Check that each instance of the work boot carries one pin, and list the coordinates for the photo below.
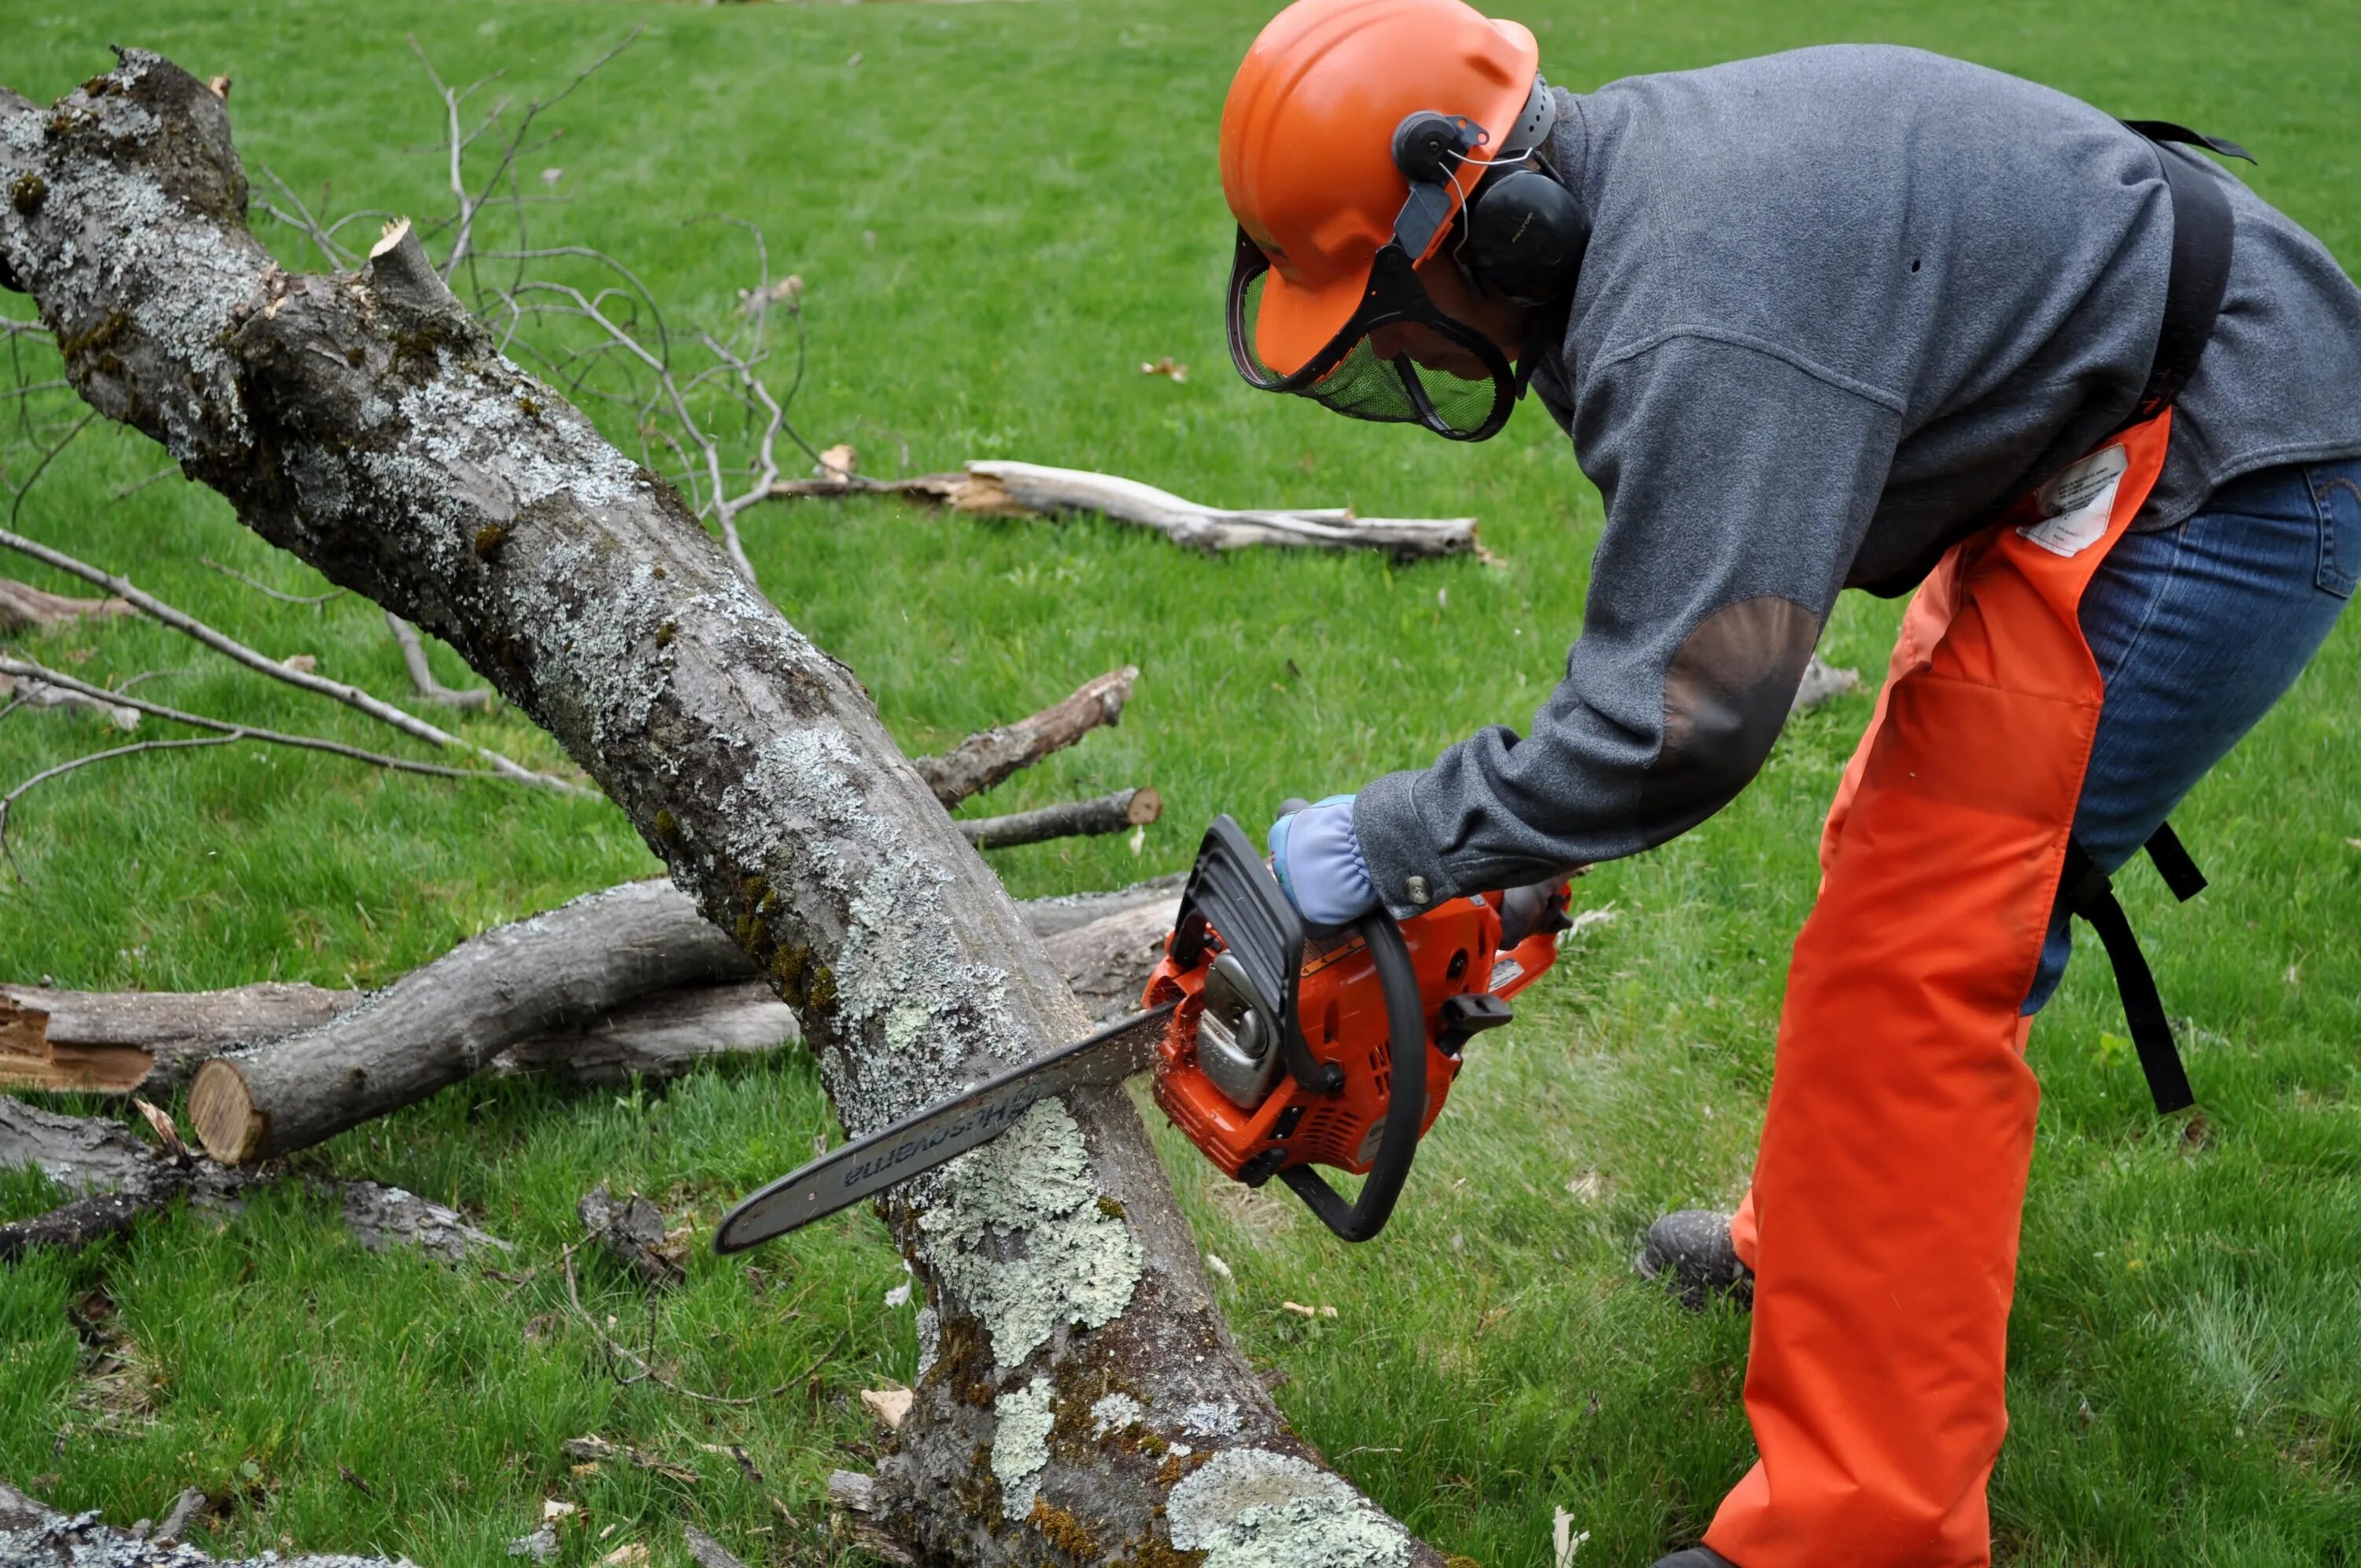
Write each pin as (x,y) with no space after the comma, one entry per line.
(1690,1254)
(1696,1556)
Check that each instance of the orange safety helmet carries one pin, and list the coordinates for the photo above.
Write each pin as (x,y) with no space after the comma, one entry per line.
(1361,138)
(1307,142)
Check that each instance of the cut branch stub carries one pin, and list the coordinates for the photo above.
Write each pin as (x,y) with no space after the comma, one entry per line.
(1072,819)
(368,424)
(988,756)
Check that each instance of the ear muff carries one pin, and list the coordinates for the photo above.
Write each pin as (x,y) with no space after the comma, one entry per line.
(1524,236)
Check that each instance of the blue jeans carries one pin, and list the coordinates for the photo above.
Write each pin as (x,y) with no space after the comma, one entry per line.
(2197,631)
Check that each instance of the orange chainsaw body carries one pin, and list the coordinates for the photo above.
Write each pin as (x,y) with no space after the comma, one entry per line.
(1341,1010)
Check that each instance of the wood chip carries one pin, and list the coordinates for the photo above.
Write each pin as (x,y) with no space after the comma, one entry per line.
(630,1554)
(888,1405)
(166,1132)
(1300,1310)
(837,464)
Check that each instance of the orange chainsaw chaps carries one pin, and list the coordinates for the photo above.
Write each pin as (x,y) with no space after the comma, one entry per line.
(1882,1225)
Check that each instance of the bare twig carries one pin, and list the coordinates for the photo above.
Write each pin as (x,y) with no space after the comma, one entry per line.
(266,589)
(225,732)
(351,697)
(125,492)
(9,800)
(422,677)
(644,1373)
(12,667)
(48,694)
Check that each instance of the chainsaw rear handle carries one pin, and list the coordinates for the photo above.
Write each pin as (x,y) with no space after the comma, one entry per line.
(1405,1107)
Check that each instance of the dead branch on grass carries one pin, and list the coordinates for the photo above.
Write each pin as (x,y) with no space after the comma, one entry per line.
(126,1042)
(24,607)
(1031,490)
(115,1181)
(988,756)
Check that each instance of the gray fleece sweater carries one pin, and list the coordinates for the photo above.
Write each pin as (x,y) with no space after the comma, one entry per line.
(1836,302)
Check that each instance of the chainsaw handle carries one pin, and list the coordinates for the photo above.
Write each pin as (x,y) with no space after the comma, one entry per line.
(1406,1101)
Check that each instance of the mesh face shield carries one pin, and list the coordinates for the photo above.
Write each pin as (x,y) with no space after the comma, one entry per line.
(1347,374)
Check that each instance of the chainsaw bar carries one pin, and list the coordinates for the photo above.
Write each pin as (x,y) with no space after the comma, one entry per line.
(868,1165)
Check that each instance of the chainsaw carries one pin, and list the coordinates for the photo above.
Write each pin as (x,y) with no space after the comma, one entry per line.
(1276,1048)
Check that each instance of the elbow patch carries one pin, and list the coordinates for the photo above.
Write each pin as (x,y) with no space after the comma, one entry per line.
(1727,692)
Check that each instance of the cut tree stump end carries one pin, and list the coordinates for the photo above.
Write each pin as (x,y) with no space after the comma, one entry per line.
(228,1124)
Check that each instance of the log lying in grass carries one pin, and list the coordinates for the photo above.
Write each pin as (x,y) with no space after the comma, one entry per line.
(23,607)
(149,1041)
(1069,819)
(1030,490)
(32,1533)
(447,1019)
(593,983)
(116,1179)
(988,756)
(368,425)
(115,1042)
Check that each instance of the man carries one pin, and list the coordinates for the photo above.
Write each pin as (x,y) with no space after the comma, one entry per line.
(1847,317)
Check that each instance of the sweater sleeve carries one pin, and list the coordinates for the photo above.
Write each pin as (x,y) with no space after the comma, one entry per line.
(1738,483)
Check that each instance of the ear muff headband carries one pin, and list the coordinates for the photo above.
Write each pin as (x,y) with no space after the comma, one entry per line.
(1522,231)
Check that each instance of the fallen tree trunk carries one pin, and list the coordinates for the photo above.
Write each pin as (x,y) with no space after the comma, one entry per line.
(988,756)
(1068,820)
(367,423)
(1032,489)
(123,1042)
(34,1535)
(449,1019)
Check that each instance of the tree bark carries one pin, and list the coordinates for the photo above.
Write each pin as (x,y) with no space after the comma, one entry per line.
(1068,820)
(988,756)
(368,424)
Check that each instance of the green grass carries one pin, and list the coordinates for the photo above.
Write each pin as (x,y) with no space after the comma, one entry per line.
(1002,209)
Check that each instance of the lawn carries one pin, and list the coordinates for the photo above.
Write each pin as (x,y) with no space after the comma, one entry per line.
(1001,210)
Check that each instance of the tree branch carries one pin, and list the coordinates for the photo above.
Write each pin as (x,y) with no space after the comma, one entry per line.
(988,756)
(351,697)
(422,677)
(1073,819)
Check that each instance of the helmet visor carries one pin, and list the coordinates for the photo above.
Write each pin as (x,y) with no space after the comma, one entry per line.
(1437,371)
